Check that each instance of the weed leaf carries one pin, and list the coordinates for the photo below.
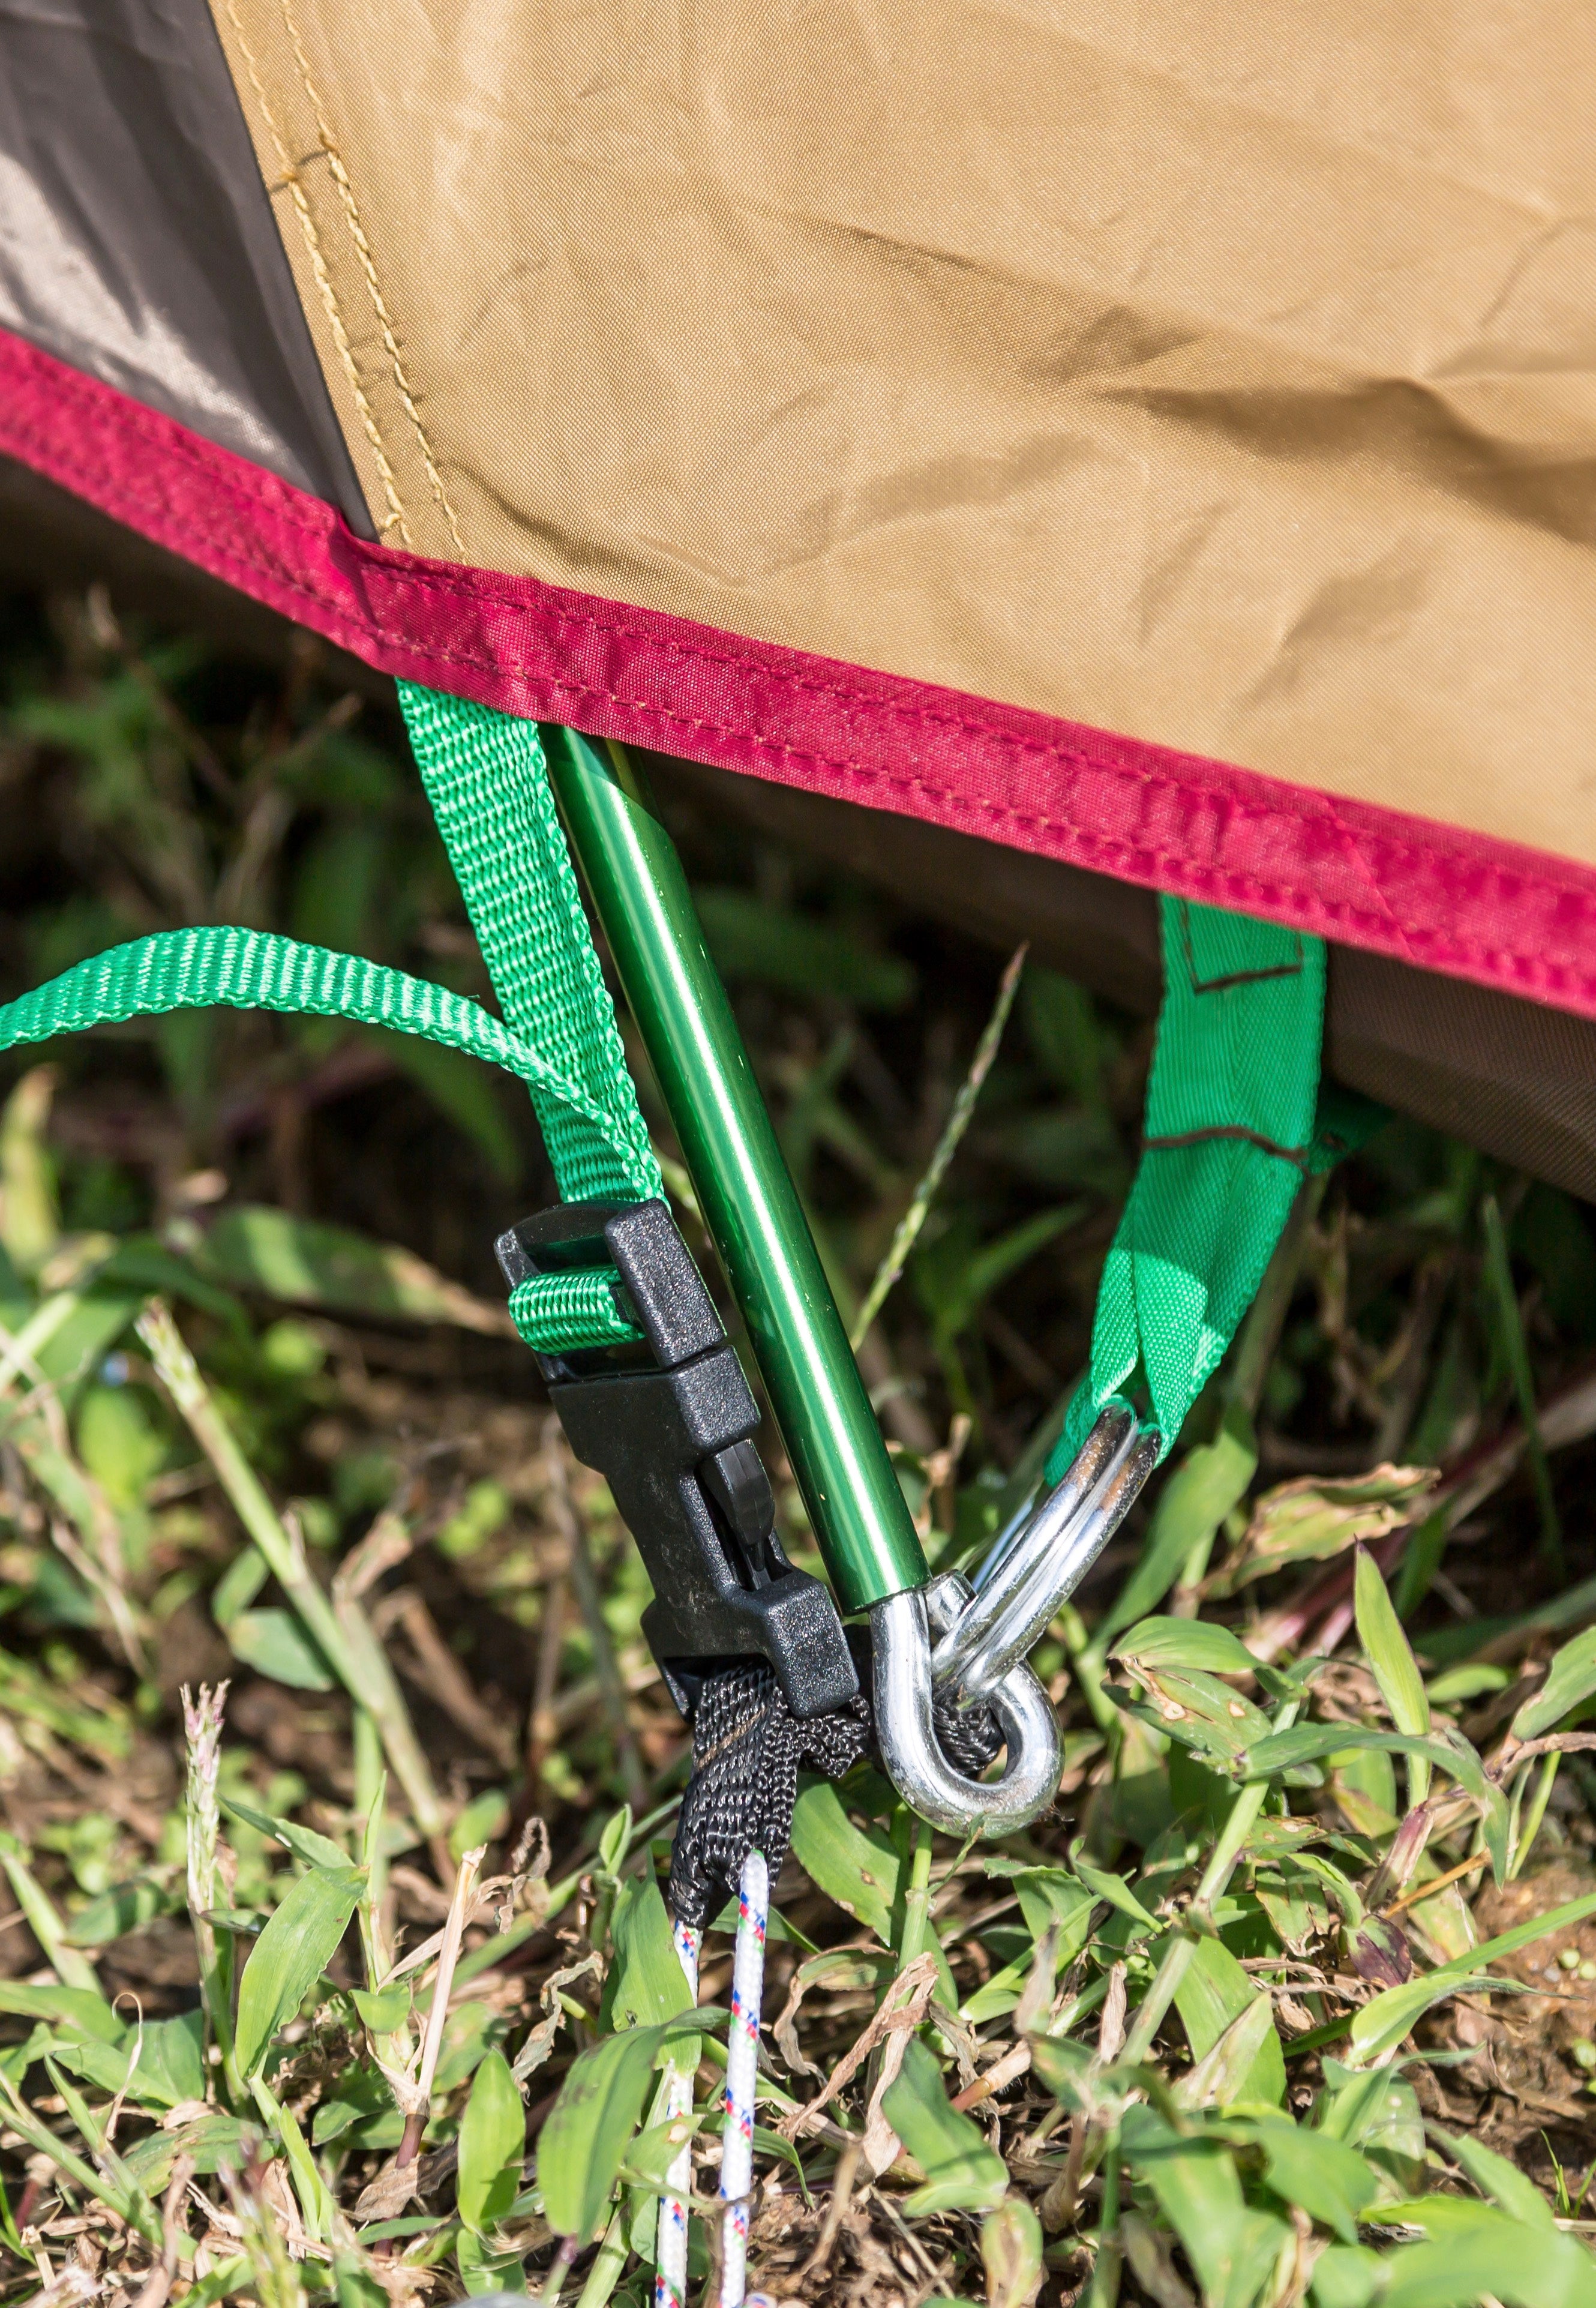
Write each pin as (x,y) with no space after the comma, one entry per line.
(1186,1643)
(304,1842)
(1484,2251)
(646,1984)
(1393,1665)
(308,1263)
(1194,2179)
(75,2009)
(1215,1998)
(1383,2023)
(1495,2177)
(492,2140)
(290,1955)
(1011,2254)
(1570,1679)
(274,1643)
(580,2149)
(962,2173)
(858,1870)
(1332,2182)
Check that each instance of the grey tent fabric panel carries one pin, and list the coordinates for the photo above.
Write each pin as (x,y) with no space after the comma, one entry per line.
(137,242)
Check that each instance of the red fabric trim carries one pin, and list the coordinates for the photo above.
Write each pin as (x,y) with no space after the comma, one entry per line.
(1435,895)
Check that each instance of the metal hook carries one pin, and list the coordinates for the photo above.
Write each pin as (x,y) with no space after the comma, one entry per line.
(901,1641)
(1029,1575)
(976,1638)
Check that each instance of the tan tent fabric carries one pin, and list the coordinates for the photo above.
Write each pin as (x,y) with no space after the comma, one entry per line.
(1220,375)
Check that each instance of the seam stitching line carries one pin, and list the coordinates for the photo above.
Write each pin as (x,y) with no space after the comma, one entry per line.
(368,265)
(1201,985)
(329,294)
(276,498)
(1236,1130)
(1226,879)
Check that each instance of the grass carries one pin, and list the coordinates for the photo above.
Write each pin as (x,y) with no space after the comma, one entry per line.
(337,1783)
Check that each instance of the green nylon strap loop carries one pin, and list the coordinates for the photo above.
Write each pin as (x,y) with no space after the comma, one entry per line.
(1232,1100)
(556,1313)
(485,776)
(254,969)
(251,969)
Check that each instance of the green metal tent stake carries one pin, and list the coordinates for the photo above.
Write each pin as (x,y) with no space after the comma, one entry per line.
(640,896)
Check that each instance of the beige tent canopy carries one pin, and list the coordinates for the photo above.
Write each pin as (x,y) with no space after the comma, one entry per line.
(1050,453)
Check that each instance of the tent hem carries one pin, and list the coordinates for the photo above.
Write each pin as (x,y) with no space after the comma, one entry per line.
(1469,905)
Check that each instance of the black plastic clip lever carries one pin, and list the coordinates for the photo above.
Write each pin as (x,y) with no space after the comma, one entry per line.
(670,1427)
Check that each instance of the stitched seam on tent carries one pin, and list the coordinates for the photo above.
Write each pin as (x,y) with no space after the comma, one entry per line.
(1323,812)
(328,295)
(368,265)
(1222,880)
(1320,809)
(1227,881)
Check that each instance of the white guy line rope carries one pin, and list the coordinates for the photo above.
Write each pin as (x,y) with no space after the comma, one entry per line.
(670,2255)
(737,2156)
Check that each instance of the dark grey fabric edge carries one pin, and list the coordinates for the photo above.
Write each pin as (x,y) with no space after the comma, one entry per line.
(137,241)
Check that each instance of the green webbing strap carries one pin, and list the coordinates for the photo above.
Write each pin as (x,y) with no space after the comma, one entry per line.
(250,969)
(1229,1139)
(484,775)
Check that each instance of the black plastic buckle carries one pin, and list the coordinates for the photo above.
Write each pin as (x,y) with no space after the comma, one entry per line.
(672,1438)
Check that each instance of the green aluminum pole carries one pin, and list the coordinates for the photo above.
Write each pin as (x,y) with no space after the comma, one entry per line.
(641,895)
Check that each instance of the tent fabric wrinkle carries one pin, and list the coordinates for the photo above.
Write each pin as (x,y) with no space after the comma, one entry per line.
(1219,377)
(1479,909)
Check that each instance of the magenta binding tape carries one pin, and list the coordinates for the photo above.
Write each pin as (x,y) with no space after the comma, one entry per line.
(1467,905)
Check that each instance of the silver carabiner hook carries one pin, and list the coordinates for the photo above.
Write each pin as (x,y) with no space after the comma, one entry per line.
(1030,1575)
(977,1639)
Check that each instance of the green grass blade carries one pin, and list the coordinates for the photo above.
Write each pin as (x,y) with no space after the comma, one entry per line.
(1393,1665)
(289,1957)
(492,2143)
